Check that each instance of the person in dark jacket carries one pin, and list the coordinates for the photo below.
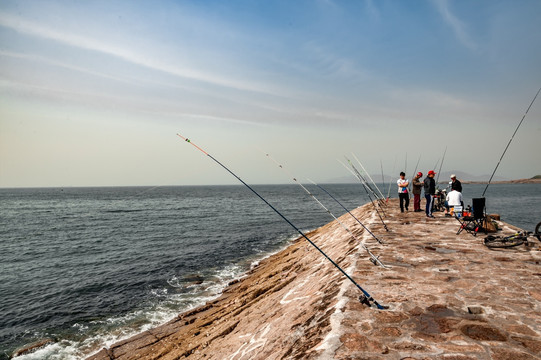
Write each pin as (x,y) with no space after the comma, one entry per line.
(430,191)
(417,189)
(456,184)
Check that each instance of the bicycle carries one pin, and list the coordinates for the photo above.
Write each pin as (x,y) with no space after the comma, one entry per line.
(507,241)
(439,200)
(537,232)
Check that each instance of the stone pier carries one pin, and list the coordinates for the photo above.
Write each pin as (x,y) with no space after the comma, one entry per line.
(449,297)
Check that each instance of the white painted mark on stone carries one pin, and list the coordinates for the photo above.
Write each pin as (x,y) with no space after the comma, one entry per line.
(294,290)
(254,343)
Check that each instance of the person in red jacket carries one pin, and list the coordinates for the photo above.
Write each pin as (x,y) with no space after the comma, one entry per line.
(416,189)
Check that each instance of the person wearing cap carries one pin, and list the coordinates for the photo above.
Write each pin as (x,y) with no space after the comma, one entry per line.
(417,186)
(430,190)
(456,184)
(403,194)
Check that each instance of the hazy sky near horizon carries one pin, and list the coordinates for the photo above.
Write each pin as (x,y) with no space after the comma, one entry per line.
(92,93)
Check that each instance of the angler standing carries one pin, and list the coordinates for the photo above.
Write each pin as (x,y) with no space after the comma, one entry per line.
(456,184)
(417,188)
(430,191)
(403,194)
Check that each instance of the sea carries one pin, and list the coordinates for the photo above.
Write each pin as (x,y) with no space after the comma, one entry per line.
(82,268)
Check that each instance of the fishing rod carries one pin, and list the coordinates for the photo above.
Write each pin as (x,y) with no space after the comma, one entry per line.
(374,259)
(509,143)
(370,177)
(363,181)
(436,165)
(382,176)
(367,185)
(414,173)
(441,164)
(406,164)
(390,182)
(406,170)
(360,178)
(349,212)
(366,298)
(417,165)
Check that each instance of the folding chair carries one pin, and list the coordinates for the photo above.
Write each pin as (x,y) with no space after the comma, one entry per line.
(474,223)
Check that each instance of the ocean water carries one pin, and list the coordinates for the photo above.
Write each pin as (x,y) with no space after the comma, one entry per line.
(86,267)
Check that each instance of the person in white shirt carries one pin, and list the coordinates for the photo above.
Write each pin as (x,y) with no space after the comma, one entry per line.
(454,198)
(403,191)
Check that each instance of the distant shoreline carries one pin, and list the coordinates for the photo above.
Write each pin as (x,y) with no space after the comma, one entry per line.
(62,188)
(518,181)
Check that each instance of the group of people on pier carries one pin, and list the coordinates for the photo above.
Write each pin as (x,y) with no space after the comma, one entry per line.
(454,198)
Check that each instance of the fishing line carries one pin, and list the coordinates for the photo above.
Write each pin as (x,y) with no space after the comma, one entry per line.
(390,182)
(414,173)
(365,182)
(359,177)
(382,176)
(406,164)
(370,177)
(439,170)
(509,143)
(366,298)
(349,212)
(367,185)
(436,165)
(417,165)
(374,259)
(366,188)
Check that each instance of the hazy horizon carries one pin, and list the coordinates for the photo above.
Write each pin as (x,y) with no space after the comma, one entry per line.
(342,180)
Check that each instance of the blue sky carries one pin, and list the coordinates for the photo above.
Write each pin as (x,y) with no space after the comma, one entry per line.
(93,92)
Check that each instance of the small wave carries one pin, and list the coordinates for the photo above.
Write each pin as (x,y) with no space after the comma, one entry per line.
(63,350)
(184,293)
(124,211)
(168,305)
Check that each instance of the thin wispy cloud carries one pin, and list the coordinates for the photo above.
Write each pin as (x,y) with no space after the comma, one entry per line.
(47,61)
(29,28)
(459,28)
(330,64)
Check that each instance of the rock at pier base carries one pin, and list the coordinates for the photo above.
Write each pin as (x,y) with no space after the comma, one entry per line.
(33,347)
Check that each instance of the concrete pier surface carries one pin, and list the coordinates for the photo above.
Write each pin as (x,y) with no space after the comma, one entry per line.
(449,297)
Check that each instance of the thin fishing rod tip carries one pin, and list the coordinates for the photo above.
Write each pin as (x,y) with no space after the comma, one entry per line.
(185,139)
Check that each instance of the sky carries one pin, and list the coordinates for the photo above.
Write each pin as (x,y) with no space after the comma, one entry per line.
(93,93)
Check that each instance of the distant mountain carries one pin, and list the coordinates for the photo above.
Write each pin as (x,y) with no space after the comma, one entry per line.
(462,176)
(444,177)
